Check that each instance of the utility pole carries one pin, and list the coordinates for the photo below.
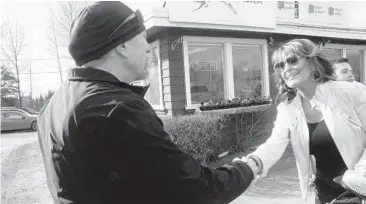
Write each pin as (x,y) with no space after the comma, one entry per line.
(30,83)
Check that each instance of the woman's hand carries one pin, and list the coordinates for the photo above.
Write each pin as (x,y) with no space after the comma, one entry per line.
(361,168)
(312,181)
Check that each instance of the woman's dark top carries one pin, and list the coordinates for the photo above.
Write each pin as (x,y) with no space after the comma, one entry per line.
(329,162)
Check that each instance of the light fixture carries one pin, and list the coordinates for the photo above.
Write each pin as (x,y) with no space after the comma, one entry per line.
(176,42)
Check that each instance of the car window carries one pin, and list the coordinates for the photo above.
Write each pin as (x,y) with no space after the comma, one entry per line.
(31,111)
(14,115)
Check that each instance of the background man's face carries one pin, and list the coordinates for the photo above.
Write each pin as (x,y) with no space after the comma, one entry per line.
(343,72)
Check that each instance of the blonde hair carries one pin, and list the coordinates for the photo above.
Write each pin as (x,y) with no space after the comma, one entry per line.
(305,48)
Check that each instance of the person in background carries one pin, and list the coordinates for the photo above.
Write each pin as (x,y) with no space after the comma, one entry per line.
(102,143)
(343,71)
(319,116)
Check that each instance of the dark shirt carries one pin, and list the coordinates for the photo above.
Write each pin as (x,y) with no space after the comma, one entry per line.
(329,162)
(103,143)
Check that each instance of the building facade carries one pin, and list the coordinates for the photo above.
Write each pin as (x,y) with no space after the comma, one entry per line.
(220,50)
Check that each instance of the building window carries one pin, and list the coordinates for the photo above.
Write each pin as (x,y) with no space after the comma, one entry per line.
(154,95)
(206,72)
(332,54)
(247,64)
(224,68)
(355,61)
(356,55)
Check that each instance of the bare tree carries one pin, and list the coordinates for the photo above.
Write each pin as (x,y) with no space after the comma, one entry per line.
(12,45)
(64,15)
(55,43)
(61,19)
(67,13)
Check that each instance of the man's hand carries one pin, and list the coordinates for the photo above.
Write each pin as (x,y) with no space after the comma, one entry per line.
(251,163)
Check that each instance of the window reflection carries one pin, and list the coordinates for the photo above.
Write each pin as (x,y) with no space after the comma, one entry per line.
(153,95)
(355,61)
(206,73)
(247,64)
(332,54)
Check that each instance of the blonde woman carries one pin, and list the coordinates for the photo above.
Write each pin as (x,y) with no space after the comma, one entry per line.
(321,117)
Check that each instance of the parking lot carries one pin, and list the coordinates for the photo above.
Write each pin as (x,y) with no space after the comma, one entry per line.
(12,140)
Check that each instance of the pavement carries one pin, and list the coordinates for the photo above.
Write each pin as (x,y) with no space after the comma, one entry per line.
(23,179)
(280,186)
(12,140)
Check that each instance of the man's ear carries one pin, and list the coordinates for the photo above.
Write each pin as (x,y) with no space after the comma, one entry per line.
(122,50)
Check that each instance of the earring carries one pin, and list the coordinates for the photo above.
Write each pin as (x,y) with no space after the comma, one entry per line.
(313,77)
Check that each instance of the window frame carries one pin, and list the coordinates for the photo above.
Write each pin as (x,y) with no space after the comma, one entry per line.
(228,70)
(344,48)
(159,107)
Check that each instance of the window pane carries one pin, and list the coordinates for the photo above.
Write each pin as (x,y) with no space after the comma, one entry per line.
(355,60)
(153,95)
(206,73)
(332,54)
(247,63)
(13,115)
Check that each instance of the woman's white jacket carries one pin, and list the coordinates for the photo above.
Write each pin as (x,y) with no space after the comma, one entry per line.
(343,105)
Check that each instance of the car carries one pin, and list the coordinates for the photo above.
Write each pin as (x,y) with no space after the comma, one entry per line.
(13,118)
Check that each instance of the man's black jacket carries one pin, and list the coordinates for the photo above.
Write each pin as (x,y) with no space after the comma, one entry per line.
(103,143)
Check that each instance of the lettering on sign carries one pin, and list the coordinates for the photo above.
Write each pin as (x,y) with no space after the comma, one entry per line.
(204,66)
(289,5)
(205,4)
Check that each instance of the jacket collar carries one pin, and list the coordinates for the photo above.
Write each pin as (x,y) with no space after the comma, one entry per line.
(98,75)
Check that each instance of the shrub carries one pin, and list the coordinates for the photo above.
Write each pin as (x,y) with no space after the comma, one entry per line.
(242,129)
(197,135)
(205,136)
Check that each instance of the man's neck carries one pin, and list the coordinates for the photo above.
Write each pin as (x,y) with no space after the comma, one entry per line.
(121,73)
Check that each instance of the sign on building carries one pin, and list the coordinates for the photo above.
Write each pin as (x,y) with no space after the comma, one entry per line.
(241,13)
(313,13)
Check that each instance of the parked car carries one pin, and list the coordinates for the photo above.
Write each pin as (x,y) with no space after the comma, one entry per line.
(14,118)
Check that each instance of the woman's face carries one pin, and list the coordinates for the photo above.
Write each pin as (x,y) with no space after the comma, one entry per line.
(294,70)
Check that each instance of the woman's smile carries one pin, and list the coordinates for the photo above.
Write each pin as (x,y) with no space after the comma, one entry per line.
(293,75)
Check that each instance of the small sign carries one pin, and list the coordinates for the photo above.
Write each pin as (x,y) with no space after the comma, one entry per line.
(314,13)
(204,66)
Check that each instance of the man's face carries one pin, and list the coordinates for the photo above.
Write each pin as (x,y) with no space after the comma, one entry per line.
(343,72)
(137,49)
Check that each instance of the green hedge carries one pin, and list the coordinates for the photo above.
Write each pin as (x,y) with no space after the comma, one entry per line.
(205,136)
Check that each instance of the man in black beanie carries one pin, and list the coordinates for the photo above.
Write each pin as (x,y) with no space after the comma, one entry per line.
(103,143)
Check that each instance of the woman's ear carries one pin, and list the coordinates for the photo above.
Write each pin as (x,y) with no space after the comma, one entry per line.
(122,50)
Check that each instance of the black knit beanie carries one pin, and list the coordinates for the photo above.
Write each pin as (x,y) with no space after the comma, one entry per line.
(100,27)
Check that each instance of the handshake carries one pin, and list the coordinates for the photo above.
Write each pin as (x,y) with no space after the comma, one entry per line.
(254,162)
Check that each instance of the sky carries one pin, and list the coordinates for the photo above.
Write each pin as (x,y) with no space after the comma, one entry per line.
(34,18)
